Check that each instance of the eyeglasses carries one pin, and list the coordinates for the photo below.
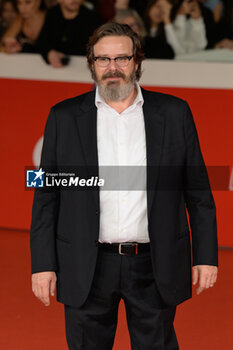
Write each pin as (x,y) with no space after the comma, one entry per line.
(121,61)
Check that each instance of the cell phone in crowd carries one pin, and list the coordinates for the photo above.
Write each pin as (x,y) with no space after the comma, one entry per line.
(65,60)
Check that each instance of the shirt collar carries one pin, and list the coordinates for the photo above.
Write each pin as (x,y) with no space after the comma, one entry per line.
(99,101)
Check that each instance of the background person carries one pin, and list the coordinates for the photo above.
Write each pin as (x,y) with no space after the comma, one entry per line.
(194,24)
(216,6)
(8,13)
(122,4)
(225,27)
(137,5)
(133,20)
(67,28)
(23,33)
(154,47)
(161,40)
(190,26)
(107,9)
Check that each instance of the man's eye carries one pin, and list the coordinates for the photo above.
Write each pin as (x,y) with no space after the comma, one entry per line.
(122,59)
(103,59)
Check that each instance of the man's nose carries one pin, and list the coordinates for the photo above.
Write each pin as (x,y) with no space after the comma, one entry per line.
(112,65)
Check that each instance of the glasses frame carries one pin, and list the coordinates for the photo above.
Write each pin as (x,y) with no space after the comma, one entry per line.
(112,59)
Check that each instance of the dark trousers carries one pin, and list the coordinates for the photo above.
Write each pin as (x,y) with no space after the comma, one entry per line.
(150,322)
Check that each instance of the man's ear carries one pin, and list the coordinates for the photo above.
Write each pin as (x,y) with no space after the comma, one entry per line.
(92,71)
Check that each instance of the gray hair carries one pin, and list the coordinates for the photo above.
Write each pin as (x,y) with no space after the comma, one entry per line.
(122,14)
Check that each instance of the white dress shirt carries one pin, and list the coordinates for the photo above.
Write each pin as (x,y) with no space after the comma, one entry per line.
(121,142)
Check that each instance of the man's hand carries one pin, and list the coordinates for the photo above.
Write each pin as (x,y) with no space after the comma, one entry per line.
(165,8)
(55,58)
(43,285)
(12,45)
(225,44)
(207,275)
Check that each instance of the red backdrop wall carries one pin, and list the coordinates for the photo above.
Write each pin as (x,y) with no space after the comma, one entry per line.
(24,110)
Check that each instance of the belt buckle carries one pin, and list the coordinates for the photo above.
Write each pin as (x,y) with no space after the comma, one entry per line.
(129,243)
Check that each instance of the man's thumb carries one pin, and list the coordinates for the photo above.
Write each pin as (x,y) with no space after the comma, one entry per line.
(52,287)
(195,275)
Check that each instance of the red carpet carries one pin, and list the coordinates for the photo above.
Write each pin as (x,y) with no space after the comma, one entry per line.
(203,323)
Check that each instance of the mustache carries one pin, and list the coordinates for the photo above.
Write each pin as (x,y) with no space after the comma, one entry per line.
(113,75)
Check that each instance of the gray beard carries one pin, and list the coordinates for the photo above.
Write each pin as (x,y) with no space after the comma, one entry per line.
(114,92)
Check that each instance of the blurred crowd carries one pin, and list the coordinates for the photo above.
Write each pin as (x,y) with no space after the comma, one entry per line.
(59,28)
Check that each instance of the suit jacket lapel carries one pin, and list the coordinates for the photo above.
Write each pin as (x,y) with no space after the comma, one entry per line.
(154,128)
(87,126)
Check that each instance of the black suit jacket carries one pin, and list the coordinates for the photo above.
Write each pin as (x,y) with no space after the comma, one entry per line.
(65,224)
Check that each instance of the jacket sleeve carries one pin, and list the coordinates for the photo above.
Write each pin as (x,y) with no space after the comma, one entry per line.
(199,199)
(45,207)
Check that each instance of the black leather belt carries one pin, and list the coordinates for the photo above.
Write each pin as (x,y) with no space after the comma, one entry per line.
(126,248)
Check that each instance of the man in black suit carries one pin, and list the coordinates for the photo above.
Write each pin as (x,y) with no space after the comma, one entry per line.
(103,246)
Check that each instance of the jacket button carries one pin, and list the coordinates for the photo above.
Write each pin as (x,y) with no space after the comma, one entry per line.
(96,242)
(174,290)
(96,213)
